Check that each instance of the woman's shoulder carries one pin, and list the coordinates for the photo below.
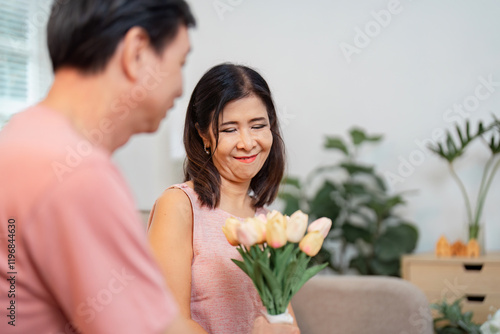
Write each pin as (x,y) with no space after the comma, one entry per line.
(175,195)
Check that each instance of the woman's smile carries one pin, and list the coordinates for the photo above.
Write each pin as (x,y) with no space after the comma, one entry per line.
(247,159)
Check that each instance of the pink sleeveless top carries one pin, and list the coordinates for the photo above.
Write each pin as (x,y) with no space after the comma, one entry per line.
(223,298)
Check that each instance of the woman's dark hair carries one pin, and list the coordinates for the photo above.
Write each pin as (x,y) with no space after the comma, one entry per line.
(85,33)
(219,86)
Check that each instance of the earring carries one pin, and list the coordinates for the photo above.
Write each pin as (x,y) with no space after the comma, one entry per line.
(206,149)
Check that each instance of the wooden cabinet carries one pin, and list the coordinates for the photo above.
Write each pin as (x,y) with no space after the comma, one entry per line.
(477,279)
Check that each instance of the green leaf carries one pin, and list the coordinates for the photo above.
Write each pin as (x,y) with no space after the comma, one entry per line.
(355,188)
(291,181)
(323,204)
(248,261)
(274,287)
(359,263)
(336,143)
(323,256)
(242,266)
(293,274)
(352,233)
(358,136)
(292,203)
(395,241)
(354,168)
(282,256)
(386,268)
(308,274)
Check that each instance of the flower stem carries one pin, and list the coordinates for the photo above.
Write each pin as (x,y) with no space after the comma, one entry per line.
(464,192)
(482,194)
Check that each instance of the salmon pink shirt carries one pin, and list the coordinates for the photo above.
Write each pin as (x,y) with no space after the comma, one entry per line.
(79,256)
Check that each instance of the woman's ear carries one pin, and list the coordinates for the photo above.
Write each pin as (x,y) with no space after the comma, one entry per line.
(206,141)
(136,52)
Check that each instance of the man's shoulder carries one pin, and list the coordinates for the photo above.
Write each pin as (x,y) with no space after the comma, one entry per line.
(39,152)
(40,143)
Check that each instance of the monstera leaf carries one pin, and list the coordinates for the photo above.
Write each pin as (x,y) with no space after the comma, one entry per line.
(395,241)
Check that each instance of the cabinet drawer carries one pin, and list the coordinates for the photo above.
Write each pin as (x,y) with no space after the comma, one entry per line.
(455,277)
(480,305)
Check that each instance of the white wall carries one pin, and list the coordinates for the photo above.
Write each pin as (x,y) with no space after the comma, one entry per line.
(426,59)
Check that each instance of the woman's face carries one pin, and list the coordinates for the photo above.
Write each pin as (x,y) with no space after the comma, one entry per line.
(245,139)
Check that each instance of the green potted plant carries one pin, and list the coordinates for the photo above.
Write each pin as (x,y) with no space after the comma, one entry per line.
(451,320)
(453,148)
(367,234)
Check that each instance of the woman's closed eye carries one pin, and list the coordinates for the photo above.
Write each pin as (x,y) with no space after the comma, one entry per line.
(259,126)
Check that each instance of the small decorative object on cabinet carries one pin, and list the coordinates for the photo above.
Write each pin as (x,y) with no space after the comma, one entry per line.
(458,248)
(475,279)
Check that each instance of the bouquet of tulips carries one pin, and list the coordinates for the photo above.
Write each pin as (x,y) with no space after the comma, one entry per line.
(276,251)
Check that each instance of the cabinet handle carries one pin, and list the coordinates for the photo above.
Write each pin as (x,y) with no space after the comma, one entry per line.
(473,267)
(475,298)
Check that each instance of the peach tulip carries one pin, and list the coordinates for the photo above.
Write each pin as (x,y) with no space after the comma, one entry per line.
(247,234)
(229,230)
(275,233)
(260,227)
(296,226)
(262,217)
(311,243)
(276,216)
(321,225)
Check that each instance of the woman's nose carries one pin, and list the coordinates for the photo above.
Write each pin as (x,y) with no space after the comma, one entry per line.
(246,141)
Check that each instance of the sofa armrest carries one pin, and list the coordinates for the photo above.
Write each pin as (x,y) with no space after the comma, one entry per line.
(361,304)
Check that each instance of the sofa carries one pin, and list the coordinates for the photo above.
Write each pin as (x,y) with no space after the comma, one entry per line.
(361,304)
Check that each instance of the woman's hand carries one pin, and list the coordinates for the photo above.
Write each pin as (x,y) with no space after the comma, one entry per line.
(262,326)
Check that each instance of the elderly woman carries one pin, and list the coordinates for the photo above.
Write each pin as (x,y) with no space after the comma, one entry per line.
(235,162)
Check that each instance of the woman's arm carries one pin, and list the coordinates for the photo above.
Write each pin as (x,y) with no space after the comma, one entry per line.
(171,238)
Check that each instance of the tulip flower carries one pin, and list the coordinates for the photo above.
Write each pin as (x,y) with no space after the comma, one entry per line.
(260,227)
(229,230)
(247,234)
(296,226)
(275,234)
(276,216)
(311,243)
(262,217)
(321,225)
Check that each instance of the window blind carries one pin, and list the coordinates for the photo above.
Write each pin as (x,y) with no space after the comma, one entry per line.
(14,50)
(25,71)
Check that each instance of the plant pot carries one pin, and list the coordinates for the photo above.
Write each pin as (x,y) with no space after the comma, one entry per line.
(283,318)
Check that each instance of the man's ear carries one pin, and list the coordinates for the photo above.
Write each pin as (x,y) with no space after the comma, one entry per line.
(136,46)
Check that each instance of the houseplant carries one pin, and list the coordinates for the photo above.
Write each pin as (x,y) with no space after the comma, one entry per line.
(450,320)
(367,234)
(454,147)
